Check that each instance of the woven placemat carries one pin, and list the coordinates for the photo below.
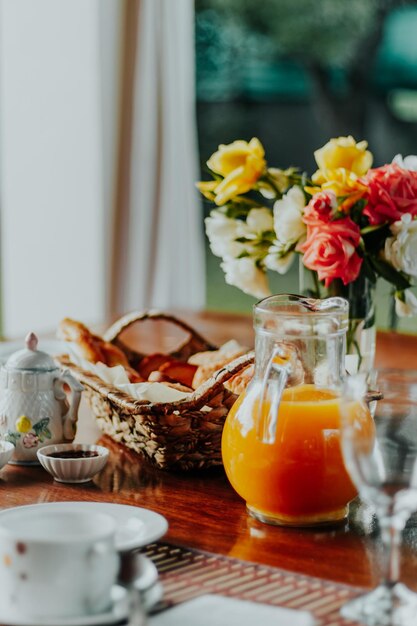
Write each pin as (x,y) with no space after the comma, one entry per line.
(186,574)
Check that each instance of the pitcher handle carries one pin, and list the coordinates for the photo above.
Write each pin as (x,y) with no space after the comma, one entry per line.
(70,418)
(279,369)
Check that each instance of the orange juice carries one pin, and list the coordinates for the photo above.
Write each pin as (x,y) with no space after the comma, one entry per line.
(300,479)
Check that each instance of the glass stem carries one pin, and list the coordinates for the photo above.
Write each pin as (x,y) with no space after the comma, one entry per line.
(391,529)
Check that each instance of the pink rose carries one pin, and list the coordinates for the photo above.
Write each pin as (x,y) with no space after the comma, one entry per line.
(320,208)
(330,250)
(30,440)
(392,191)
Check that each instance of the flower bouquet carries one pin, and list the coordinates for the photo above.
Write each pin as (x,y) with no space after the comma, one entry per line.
(349,223)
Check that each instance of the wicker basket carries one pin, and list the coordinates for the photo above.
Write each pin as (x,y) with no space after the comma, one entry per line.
(174,435)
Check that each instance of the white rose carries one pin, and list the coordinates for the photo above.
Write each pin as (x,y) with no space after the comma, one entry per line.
(407,163)
(222,233)
(288,216)
(401,249)
(408,306)
(260,220)
(277,260)
(244,274)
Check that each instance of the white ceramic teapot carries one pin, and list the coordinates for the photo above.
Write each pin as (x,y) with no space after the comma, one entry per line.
(34,411)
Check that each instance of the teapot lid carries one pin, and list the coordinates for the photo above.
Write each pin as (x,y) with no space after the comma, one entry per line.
(30,358)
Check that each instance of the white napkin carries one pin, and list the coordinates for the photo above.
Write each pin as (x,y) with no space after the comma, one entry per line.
(214,610)
(112,375)
(151,392)
(154,392)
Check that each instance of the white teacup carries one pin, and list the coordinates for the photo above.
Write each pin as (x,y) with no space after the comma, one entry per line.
(56,563)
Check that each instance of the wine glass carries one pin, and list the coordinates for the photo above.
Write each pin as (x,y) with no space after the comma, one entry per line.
(381,460)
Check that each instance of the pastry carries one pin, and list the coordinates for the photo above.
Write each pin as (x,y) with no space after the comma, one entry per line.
(179,371)
(210,361)
(94,348)
(152,363)
(238,383)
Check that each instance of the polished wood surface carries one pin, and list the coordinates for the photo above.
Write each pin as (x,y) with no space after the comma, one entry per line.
(203,510)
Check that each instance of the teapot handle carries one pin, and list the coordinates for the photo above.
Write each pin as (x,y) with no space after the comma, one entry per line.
(70,418)
(278,371)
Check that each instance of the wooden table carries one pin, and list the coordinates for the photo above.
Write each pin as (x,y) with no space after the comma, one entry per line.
(203,510)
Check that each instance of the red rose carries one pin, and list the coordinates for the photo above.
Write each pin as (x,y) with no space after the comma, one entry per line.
(320,208)
(330,250)
(392,191)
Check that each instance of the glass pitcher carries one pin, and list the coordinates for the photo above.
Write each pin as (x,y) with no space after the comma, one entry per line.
(280,443)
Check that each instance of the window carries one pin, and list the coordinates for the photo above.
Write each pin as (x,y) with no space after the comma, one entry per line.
(295,74)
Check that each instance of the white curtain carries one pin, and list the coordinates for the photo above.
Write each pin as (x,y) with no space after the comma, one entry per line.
(51,171)
(158,245)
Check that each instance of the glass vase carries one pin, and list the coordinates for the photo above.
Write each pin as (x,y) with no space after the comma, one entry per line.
(361,335)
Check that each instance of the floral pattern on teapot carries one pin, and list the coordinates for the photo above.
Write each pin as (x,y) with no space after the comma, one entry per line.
(31,435)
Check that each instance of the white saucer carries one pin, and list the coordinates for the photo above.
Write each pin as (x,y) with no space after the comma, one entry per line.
(117,613)
(136,527)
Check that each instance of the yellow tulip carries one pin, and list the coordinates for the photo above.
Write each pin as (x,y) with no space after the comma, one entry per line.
(241,164)
(345,185)
(344,153)
(341,163)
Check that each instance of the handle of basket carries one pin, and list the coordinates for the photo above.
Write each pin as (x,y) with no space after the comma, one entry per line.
(204,393)
(140,316)
(235,366)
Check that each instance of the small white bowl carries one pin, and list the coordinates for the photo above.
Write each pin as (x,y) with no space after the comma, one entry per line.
(6,452)
(72,470)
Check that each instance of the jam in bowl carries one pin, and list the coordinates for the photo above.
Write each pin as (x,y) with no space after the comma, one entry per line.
(73,462)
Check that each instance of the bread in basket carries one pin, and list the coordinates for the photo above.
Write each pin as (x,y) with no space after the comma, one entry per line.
(185,434)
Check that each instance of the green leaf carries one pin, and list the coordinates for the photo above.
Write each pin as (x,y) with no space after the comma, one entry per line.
(12,437)
(45,434)
(368,270)
(384,269)
(371,229)
(41,427)
(374,238)
(237,211)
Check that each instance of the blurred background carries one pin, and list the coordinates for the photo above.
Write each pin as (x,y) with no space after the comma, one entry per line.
(110,108)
